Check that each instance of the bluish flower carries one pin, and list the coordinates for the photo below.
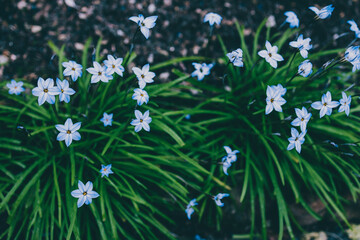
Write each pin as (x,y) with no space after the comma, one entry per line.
(345,104)
(145,24)
(45,91)
(72,69)
(105,170)
(236,57)
(201,70)
(296,140)
(305,68)
(352,53)
(85,193)
(114,66)
(354,27)
(62,88)
(279,88)
(68,132)
(98,73)
(192,203)
(218,198)
(231,155)
(141,96)
(273,100)
(189,210)
(15,87)
(292,19)
(107,119)
(226,166)
(271,55)
(302,119)
(144,75)
(187,117)
(141,121)
(213,18)
(302,44)
(323,13)
(326,105)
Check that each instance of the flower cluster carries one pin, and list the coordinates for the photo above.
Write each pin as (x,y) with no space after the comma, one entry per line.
(46,91)
(105,72)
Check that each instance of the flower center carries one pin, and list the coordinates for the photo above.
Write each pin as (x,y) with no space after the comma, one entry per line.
(272,100)
(84,193)
(15,87)
(270,55)
(141,120)
(73,69)
(143,95)
(62,90)
(296,138)
(302,119)
(142,24)
(142,75)
(46,90)
(68,131)
(99,73)
(104,169)
(113,66)
(325,104)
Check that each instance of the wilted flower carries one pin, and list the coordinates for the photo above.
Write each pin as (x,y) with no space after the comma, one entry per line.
(326,105)
(15,87)
(145,24)
(68,132)
(302,44)
(322,13)
(354,27)
(305,68)
(345,104)
(105,170)
(273,100)
(201,70)
(141,121)
(63,89)
(189,210)
(296,140)
(302,119)
(98,73)
(270,54)
(292,19)
(114,66)
(144,75)
(236,57)
(45,91)
(85,194)
(107,119)
(141,96)
(212,18)
(72,69)
(218,198)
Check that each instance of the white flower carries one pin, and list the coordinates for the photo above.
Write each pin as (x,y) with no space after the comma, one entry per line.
(218,198)
(189,210)
(279,88)
(326,105)
(231,155)
(68,132)
(354,27)
(141,96)
(236,57)
(45,91)
(302,44)
(270,22)
(305,68)
(145,24)
(296,140)
(270,54)
(85,194)
(72,69)
(352,53)
(107,119)
(292,19)
(212,18)
(356,64)
(62,88)
(141,121)
(201,70)
(15,87)
(273,100)
(226,165)
(345,104)
(105,170)
(302,119)
(98,73)
(144,75)
(322,13)
(114,65)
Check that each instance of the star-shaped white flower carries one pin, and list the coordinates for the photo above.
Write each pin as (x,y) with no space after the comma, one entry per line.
(323,13)
(68,132)
(201,70)
(98,73)
(114,66)
(305,68)
(326,105)
(292,19)
(45,91)
(354,27)
(105,170)
(141,121)
(141,96)
(145,24)
(302,119)
(15,87)
(213,18)
(279,88)
(345,104)
(63,90)
(85,193)
(107,119)
(302,44)
(144,75)
(218,198)
(352,53)
(72,69)
(271,55)
(231,155)
(273,100)
(236,57)
(296,140)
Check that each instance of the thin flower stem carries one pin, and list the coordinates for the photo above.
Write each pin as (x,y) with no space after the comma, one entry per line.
(131,47)
(55,113)
(292,59)
(289,81)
